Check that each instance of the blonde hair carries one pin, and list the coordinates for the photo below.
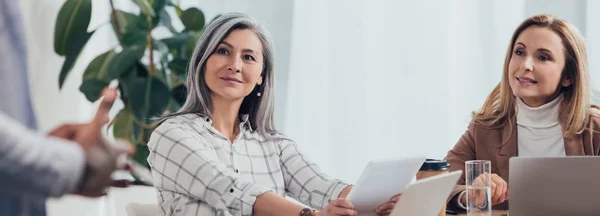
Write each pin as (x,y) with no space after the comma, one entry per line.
(499,108)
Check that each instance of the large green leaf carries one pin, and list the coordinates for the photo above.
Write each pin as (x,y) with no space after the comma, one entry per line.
(123,61)
(123,125)
(92,88)
(162,73)
(190,46)
(141,70)
(165,20)
(134,36)
(173,106)
(179,66)
(72,22)
(125,81)
(143,22)
(148,97)
(136,133)
(193,19)
(159,5)
(145,7)
(73,49)
(140,134)
(161,47)
(176,42)
(97,68)
(179,94)
(125,20)
(141,154)
(65,69)
(178,10)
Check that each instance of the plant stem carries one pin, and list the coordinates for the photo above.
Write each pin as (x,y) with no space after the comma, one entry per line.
(114,16)
(150,48)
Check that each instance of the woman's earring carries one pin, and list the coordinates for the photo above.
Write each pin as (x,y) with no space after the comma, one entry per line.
(258,90)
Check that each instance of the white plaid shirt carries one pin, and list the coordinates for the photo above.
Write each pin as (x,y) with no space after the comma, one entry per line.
(198,171)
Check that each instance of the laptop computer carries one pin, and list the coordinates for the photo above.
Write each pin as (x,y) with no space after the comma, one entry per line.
(554,186)
(427,196)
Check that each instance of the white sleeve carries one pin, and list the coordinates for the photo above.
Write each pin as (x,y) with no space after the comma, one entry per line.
(32,164)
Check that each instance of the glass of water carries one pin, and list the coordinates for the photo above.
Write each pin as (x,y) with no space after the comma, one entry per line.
(479,187)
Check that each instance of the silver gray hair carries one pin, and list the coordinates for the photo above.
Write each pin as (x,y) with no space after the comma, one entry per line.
(259,108)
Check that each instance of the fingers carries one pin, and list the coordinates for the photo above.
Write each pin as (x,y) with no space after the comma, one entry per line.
(496,193)
(341,206)
(595,112)
(109,95)
(498,187)
(343,211)
(120,183)
(501,189)
(124,146)
(385,208)
(66,131)
(343,203)
(481,180)
(396,198)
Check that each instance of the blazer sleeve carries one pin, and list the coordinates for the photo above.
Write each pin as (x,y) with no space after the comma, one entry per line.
(32,164)
(593,133)
(464,150)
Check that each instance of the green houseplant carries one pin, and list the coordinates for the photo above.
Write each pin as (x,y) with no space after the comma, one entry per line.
(150,71)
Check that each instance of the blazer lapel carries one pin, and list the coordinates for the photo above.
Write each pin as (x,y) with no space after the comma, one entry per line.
(509,140)
(508,149)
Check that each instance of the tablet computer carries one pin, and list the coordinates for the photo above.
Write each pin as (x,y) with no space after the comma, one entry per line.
(381,180)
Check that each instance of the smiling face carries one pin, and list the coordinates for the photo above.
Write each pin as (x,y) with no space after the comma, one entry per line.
(536,66)
(236,66)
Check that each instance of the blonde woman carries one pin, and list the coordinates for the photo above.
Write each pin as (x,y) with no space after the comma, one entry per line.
(541,107)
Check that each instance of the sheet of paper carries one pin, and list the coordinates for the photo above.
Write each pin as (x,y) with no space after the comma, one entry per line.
(381,180)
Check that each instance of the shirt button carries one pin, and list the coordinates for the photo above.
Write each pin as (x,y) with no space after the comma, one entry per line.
(231,190)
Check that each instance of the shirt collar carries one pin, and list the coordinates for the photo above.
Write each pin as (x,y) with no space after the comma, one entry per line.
(244,122)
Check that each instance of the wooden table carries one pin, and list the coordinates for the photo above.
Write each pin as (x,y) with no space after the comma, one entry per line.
(494,213)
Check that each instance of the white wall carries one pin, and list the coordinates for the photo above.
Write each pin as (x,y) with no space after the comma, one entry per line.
(574,10)
(379,79)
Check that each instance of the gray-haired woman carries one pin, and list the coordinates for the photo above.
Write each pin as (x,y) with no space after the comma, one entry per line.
(220,153)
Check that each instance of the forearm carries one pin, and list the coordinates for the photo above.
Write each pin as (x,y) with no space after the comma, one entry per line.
(35,165)
(271,204)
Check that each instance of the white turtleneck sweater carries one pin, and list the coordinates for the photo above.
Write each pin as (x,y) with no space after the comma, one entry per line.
(539,132)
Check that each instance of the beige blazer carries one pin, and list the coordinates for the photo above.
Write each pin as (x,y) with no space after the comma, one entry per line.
(499,145)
